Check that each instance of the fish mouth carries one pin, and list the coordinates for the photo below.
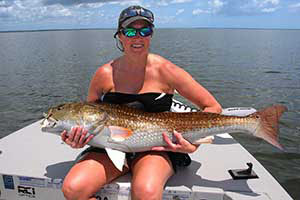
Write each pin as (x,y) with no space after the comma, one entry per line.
(48,121)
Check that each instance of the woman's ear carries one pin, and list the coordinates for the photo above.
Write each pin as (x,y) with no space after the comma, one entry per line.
(119,42)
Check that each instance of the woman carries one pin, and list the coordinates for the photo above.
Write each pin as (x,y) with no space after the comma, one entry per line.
(146,81)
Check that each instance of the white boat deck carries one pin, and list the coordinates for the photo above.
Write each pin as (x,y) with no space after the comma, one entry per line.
(33,165)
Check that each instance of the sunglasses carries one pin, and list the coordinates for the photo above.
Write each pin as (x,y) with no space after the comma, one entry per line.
(132,32)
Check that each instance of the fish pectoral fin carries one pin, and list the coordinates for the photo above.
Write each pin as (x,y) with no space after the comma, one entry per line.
(119,134)
(206,140)
(98,129)
(117,158)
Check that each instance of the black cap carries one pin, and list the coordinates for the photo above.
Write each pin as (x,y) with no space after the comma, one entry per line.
(134,13)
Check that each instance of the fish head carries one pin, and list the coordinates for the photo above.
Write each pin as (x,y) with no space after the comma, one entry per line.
(65,116)
(57,118)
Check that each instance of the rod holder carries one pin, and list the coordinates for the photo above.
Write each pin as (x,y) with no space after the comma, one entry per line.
(243,173)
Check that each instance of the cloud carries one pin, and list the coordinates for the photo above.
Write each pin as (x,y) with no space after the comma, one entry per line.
(5,12)
(77,2)
(34,12)
(178,12)
(168,2)
(162,3)
(128,2)
(72,2)
(268,10)
(200,11)
(243,7)
(295,6)
(216,5)
(266,3)
(90,5)
(181,1)
(56,11)
(104,13)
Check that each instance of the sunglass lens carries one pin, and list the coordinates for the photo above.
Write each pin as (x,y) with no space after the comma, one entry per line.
(129,32)
(144,32)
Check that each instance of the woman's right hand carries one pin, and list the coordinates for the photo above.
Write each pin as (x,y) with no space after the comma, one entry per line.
(76,138)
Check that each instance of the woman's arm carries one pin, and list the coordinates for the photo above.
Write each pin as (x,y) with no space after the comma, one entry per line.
(189,88)
(186,86)
(77,138)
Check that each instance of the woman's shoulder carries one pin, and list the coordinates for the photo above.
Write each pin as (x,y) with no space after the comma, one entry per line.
(157,58)
(105,69)
(161,62)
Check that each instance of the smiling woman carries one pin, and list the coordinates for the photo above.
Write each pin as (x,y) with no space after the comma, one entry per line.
(146,81)
(132,23)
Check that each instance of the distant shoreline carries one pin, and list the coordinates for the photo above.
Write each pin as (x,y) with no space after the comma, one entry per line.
(82,29)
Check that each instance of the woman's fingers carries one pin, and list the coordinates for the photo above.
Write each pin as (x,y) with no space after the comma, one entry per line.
(170,145)
(64,135)
(77,137)
(88,140)
(71,135)
(181,145)
(82,137)
(169,142)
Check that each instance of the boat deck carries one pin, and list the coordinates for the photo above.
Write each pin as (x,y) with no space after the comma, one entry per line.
(33,165)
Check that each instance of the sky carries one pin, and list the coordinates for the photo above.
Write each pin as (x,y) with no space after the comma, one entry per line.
(81,14)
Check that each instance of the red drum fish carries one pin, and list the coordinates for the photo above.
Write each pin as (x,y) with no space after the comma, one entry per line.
(125,129)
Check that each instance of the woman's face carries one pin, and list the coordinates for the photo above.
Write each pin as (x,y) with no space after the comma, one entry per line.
(136,44)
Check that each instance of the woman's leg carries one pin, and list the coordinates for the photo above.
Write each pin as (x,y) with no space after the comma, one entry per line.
(87,176)
(150,172)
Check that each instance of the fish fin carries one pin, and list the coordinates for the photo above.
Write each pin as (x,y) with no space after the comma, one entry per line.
(269,124)
(119,134)
(206,140)
(98,129)
(117,158)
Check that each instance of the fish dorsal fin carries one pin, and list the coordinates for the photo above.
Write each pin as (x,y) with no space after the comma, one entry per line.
(119,134)
(117,158)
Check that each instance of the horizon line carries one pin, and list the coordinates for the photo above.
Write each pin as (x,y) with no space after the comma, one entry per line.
(74,29)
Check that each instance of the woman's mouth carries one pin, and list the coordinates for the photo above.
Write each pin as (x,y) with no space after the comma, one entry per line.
(137,45)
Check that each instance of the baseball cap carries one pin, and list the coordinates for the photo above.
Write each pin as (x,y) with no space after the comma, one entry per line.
(133,13)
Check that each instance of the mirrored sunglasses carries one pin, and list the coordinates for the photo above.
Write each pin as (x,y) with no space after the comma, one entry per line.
(132,32)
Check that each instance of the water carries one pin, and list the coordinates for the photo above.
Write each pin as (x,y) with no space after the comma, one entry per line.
(240,67)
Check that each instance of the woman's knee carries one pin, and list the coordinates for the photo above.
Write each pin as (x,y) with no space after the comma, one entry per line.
(71,190)
(146,191)
(74,190)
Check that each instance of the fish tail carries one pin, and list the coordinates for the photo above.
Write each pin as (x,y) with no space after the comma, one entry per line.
(269,124)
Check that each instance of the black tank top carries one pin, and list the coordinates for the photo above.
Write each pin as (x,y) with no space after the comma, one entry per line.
(149,102)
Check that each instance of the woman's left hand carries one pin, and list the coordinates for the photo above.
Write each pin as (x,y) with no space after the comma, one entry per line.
(181,145)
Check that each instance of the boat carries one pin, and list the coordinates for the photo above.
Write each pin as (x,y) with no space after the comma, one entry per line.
(33,165)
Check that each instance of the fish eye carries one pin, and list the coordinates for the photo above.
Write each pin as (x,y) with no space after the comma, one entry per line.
(60,107)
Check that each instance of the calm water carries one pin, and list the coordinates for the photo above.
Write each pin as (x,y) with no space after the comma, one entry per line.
(240,67)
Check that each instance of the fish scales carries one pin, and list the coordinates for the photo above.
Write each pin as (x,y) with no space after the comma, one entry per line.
(134,130)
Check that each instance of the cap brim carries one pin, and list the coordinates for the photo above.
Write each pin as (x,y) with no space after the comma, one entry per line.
(133,19)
